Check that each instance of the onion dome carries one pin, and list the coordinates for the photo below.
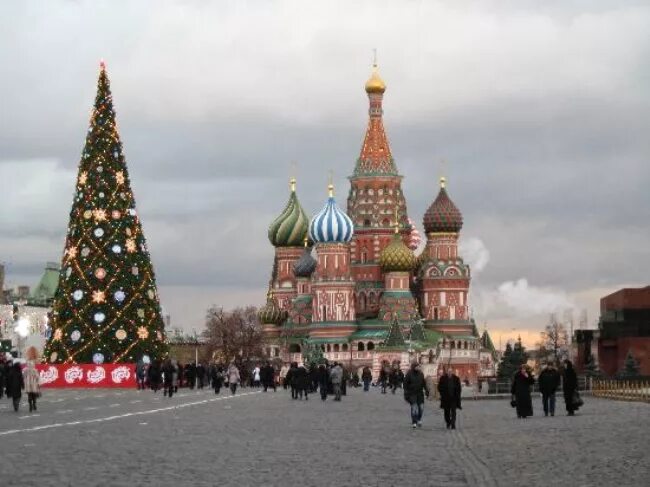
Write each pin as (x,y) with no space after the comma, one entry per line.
(270,313)
(306,264)
(331,224)
(442,215)
(290,228)
(375,84)
(414,237)
(397,257)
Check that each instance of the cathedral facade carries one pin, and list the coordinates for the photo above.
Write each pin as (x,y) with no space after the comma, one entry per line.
(350,284)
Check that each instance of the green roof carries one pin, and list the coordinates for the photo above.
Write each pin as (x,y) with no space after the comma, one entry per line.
(46,288)
(462,337)
(363,334)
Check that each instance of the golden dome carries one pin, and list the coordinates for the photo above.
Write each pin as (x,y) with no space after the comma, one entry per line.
(375,84)
(397,257)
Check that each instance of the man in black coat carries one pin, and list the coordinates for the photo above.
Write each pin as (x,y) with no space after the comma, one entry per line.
(415,388)
(449,388)
(267,375)
(522,384)
(570,386)
(549,381)
(15,384)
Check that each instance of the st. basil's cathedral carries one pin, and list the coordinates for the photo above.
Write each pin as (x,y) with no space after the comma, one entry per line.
(365,297)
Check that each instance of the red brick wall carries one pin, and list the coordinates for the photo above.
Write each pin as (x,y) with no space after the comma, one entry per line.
(612,353)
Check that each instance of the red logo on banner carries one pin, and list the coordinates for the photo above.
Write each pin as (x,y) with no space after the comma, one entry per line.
(87,375)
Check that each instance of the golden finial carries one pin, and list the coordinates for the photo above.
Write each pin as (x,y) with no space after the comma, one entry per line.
(443,182)
(330,186)
(375,84)
(306,242)
(292,184)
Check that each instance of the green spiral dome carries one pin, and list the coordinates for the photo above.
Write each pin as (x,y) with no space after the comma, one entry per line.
(290,228)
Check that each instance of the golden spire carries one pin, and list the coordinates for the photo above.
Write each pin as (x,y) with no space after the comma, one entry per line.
(292,184)
(330,186)
(306,242)
(443,182)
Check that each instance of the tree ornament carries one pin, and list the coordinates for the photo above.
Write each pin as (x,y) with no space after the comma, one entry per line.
(116,215)
(78,295)
(119,177)
(100,273)
(100,169)
(58,334)
(88,214)
(99,297)
(99,317)
(120,334)
(134,270)
(85,252)
(98,232)
(140,313)
(75,335)
(116,249)
(100,215)
(119,296)
(72,252)
(83,177)
(143,333)
(98,358)
(130,245)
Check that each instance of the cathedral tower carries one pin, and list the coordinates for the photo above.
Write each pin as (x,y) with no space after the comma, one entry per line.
(444,277)
(286,234)
(332,286)
(375,196)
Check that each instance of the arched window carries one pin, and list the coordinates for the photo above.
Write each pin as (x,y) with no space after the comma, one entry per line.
(329,347)
(435,313)
(364,256)
(371,346)
(366,223)
(361,347)
(465,345)
(345,347)
(452,344)
(294,348)
(336,347)
(362,302)
(324,311)
(322,347)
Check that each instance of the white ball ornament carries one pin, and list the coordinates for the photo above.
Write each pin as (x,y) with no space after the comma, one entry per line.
(78,295)
(99,317)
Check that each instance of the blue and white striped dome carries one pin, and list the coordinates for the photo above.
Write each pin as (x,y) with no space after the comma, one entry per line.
(331,224)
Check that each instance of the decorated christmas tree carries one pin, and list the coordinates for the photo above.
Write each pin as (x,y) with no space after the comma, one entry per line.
(395,337)
(106,307)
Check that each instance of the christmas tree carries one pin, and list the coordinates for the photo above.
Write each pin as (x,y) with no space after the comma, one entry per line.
(395,337)
(106,307)
(591,368)
(630,366)
(512,359)
(417,331)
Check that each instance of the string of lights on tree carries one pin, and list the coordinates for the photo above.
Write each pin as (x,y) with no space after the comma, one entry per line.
(106,307)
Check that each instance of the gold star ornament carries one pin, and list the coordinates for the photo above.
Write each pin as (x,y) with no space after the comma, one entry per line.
(99,297)
(130,245)
(83,177)
(143,333)
(100,215)
(119,177)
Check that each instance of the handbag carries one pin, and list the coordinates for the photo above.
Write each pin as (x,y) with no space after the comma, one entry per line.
(513,402)
(576,400)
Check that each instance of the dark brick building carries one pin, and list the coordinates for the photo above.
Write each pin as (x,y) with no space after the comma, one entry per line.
(624,326)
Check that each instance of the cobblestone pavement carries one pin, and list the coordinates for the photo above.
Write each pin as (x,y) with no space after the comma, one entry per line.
(120,438)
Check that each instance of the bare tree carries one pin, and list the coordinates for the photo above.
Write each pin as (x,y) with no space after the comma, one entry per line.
(555,340)
(235,334)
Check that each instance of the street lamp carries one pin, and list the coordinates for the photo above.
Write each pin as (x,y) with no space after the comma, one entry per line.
(22,330)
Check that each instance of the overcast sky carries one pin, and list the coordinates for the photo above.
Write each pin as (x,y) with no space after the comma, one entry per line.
(542,110)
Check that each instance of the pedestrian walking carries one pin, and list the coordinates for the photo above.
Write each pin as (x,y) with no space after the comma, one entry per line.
(522,383)
(449,389)
(234,378)
(366,377)
(549,381)
(15,384)
(383,377)
(257,376)
(168,378)
(336,376)
(32,381)
(290,380)
(267,375)
(301,379)
(140,374)
(217,378)
(572,399)
(322,376)
(200,375)
(155,375)
(415,388)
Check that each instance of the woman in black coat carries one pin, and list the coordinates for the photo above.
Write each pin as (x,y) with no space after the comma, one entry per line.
(570,386)
(15,384)
(521,385)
